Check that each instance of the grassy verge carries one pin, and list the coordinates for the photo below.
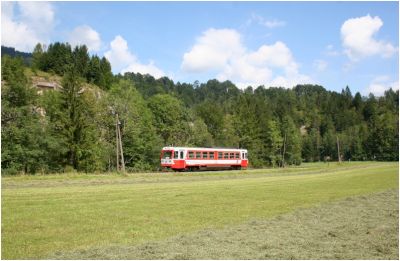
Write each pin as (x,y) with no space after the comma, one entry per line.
(360,227)
(45,214)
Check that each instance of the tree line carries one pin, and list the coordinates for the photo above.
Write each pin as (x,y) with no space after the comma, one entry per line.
(74,129)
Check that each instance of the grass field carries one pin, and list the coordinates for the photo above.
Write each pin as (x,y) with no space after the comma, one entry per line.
(124,217)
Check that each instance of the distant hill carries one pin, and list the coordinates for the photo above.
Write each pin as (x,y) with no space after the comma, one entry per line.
(14,53)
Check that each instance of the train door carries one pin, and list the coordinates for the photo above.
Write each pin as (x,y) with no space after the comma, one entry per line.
(179,159)
(244,159)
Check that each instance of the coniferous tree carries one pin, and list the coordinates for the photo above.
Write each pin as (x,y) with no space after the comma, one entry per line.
(37,57)
(291,151)
(105,68)
(76,122)
(81,60)
(273,142)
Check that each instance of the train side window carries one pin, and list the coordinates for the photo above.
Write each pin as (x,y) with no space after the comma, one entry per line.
(176,155)
(232,155)
(198,155)
(191,155)
(237,156)
(212,155)
(205,155)
(219,155)
(226,155)
(181,156)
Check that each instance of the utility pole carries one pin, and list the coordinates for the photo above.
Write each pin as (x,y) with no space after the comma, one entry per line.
(120,144)
(318,154)
(284,151)
(338,149)
(117,142)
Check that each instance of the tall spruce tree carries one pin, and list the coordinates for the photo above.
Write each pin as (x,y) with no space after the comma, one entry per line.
(77,122)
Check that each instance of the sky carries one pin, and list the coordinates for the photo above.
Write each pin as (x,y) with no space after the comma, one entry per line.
(334,44)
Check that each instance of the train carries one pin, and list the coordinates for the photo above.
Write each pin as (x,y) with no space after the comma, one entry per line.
(193,159)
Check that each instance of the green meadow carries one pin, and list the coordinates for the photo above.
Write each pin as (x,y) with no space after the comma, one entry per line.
(106,216)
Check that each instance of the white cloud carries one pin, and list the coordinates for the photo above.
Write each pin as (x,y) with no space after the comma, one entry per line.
(264,22)
(275,55)
(39,16)
(320,65)
(380,84)
(119,54)
(222,52)
(33,23)
(122,60)
(85,35)
(212,51)
(358,38)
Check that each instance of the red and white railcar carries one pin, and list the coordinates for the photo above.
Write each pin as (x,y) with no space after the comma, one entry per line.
(185,158)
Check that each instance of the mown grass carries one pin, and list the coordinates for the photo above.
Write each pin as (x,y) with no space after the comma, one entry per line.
(42,215)
(359,227)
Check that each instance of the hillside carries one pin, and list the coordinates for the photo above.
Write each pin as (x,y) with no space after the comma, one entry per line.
(278,126)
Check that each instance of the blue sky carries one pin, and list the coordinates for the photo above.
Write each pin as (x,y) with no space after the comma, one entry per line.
(250,43)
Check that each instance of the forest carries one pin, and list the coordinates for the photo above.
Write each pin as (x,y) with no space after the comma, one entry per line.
(74,129)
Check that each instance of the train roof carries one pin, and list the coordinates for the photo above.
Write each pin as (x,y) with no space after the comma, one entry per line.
(202,149)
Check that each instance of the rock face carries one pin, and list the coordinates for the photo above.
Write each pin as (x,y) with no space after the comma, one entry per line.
(43,84)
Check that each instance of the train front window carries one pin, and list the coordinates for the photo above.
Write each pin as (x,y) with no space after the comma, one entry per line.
(167,154)
(176,154)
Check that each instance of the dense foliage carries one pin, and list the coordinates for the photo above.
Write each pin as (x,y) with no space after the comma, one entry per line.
(75,128)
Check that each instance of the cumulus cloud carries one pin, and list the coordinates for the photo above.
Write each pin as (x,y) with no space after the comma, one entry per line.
(122,60)
(380,84)
(221,51)
(86,35)
(24,24)
(358,38)
(213,50)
